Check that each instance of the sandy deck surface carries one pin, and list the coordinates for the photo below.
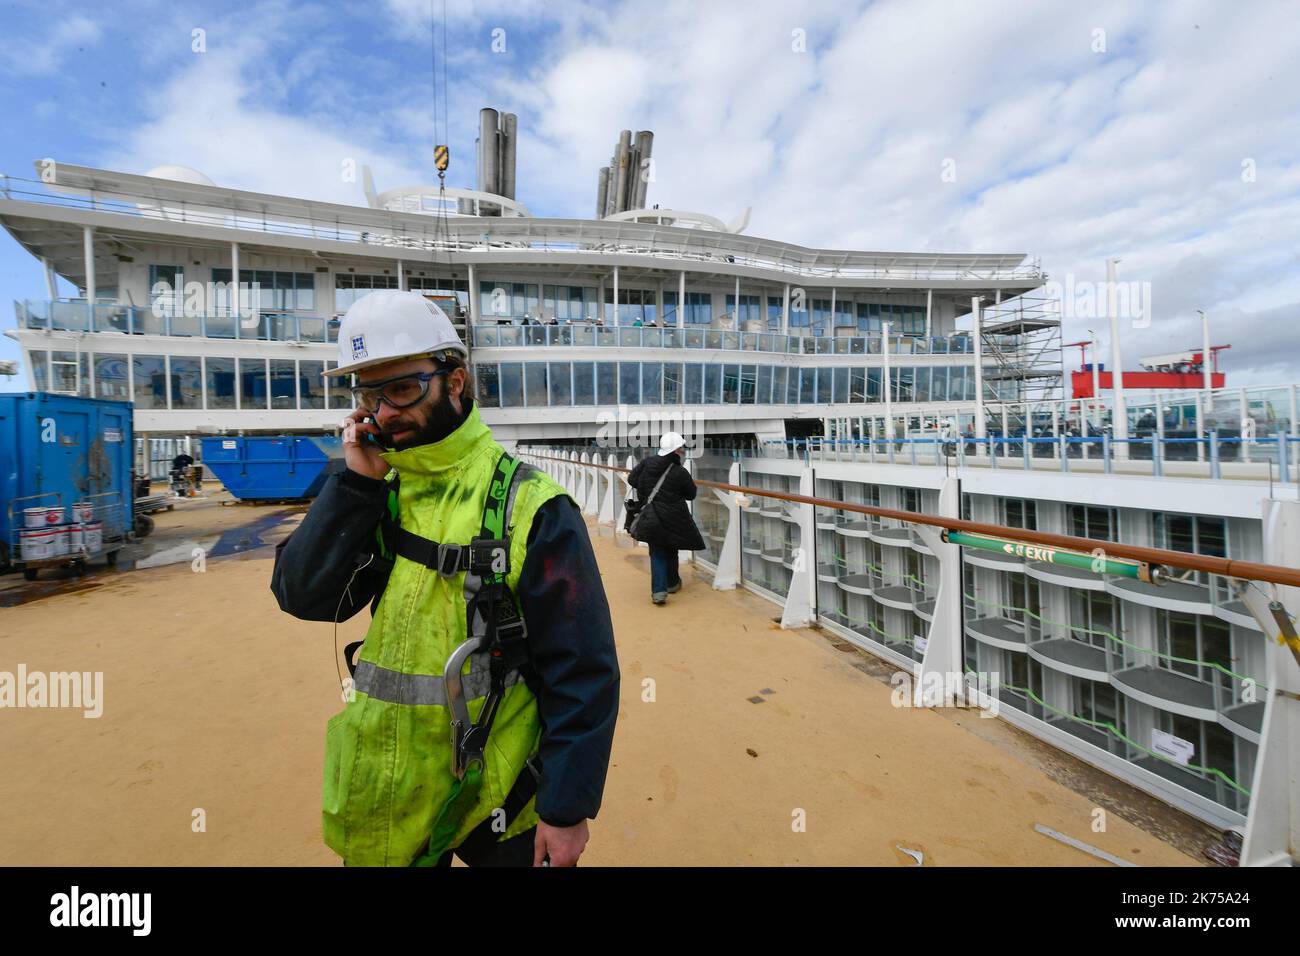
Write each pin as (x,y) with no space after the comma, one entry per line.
(214,700)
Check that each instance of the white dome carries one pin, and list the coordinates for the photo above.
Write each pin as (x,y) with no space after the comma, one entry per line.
(180,174)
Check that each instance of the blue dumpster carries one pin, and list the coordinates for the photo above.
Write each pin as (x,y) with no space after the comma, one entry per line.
(71,457)
(278,467)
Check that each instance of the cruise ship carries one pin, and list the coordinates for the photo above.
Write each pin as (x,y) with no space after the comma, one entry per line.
(926,382)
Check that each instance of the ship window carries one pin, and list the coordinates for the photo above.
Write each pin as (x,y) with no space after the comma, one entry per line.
(699,308)
(252,383)
(922,385)
(730,384)
(166,289)
(607,383)
(311,387)
(629,383)
(512,385)
(763,395)
(939,384)
(1020,513)
(283,384)
(111,377)
(778,384)
(186,382)
(561,383)
(792,389)
(150,376)
(670,308)
(1091,522)
(489,391)
(807,385)
(841,390)
(824,382)
(584,391)
(651,383)
(712,383)
(672,383)
(535,384)
(220,375)
(337,394)
(694,384)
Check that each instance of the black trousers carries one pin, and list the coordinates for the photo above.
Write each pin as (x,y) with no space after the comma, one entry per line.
(517,851)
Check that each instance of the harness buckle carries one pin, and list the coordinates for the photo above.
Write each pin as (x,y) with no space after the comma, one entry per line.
(448,559)
(489,556)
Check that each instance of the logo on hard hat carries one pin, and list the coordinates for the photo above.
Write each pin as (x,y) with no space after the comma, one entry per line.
(359,347)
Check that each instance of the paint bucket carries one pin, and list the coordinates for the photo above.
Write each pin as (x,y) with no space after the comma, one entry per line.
(58,540)
(53,516)
(93,536)
(83,511)
(34,544)
(76,535)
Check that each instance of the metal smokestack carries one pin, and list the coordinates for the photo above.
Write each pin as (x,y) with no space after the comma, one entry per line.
(509,136)
(489,150)
(623,152)
(602,192)
(644,144)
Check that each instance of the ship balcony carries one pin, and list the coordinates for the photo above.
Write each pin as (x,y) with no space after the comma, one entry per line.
(925,609)
(1072,657)
(268,325)
(998,632)
(1167,690)
(1171,596)
(857,529)
(1079,578)
(893,537)
(856,583)
(1245,720)
(1227,607)
(899,596)
(994,560)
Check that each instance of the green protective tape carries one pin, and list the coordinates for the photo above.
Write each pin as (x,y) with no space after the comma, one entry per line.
(1118,640)
(1037,552)
(1111,728)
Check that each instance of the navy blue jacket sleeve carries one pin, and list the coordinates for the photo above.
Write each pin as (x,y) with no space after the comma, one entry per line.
(316,574)
(571,641)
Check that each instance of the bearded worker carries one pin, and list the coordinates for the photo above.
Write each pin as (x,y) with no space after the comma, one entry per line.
(481,710)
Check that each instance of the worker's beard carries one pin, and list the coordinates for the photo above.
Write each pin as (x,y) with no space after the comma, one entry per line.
(442,421)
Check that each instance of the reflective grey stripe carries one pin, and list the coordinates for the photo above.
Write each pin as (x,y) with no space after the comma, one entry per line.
(395,687)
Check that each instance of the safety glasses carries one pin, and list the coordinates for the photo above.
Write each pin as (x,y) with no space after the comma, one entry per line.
(402,391)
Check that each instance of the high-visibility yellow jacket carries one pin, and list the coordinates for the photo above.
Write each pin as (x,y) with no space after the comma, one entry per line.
(388,754)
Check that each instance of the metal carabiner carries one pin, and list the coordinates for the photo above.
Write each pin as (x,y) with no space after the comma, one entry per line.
(461,726)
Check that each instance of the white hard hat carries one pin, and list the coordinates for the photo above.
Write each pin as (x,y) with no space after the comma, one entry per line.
(391,325)
(670,443)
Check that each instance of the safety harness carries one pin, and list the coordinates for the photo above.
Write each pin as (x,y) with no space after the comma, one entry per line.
(493,625)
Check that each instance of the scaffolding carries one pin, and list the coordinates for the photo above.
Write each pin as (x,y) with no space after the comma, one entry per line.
(1021,341)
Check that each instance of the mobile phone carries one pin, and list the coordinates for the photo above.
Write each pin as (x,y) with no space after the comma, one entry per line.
(370,438)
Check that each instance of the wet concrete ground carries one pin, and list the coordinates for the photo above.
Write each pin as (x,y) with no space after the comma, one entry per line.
(215,526)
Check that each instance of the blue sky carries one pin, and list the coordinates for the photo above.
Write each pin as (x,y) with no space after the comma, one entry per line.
(1076,132)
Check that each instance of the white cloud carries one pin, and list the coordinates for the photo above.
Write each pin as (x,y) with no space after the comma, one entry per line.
(44,56)
(1060,151)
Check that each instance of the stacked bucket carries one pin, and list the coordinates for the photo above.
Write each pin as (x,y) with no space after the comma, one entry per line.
(48,534)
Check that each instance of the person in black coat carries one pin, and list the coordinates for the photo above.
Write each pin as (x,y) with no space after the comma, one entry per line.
(665,523)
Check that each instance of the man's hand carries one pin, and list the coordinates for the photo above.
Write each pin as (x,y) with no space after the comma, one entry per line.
(362,456)
(562,844)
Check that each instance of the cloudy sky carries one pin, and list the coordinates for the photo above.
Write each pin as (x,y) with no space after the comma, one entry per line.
(1162,134)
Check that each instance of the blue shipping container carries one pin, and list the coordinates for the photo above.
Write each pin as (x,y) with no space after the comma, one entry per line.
(60,445)
(273,467)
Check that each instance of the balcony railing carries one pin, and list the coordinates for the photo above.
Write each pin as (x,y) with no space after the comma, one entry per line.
(1277,454)
(511,334)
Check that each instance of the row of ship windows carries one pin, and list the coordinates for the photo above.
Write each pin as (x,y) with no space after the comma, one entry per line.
(536,384)
(158,382)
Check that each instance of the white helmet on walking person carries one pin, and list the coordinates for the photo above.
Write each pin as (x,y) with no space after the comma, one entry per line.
(670,442)
(391,325)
